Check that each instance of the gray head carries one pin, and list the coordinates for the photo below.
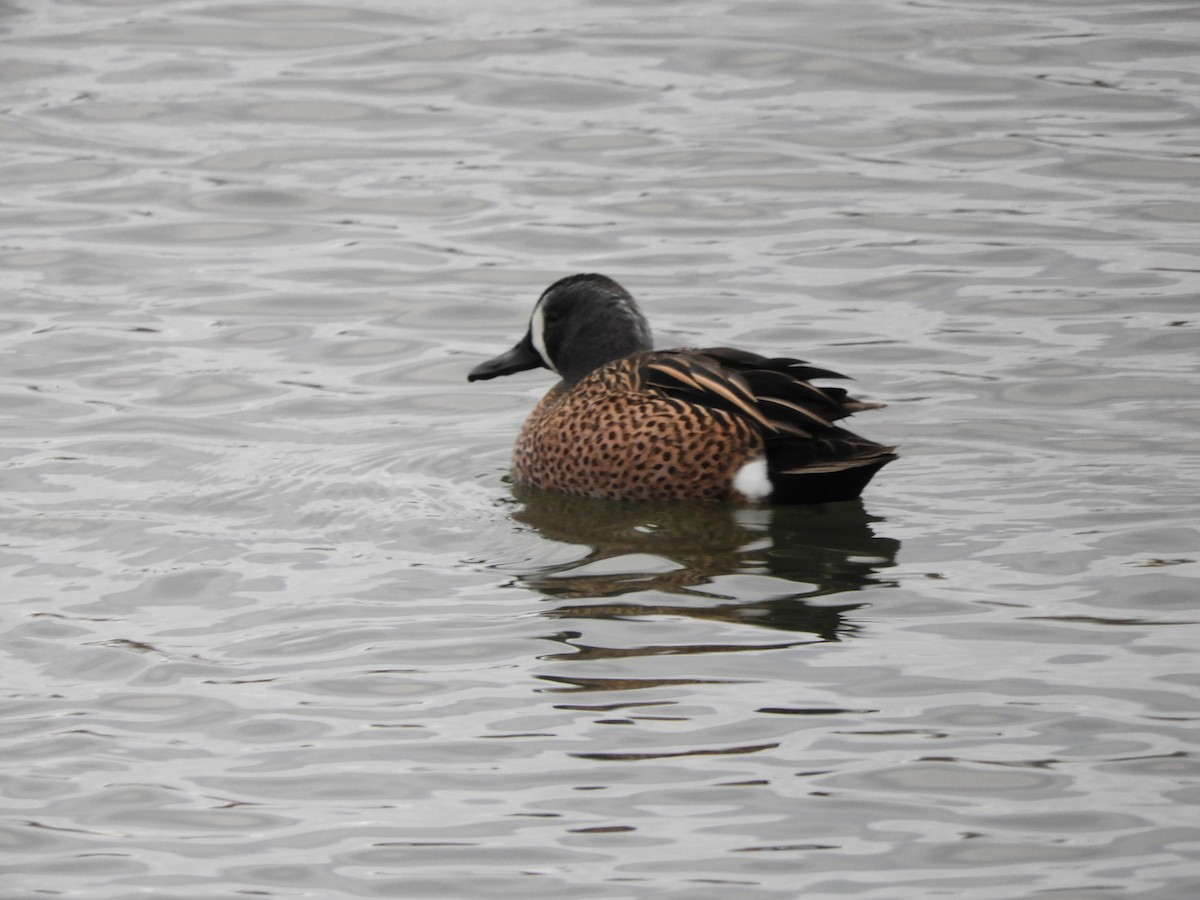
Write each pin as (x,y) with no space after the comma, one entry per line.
(579,324)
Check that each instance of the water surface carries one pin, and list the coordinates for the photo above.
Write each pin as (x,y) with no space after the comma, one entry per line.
(275,623)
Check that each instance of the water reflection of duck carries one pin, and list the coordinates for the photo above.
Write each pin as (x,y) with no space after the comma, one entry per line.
(685,558)
(628,422)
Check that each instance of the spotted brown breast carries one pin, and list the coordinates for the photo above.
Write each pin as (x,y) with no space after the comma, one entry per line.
(611,435)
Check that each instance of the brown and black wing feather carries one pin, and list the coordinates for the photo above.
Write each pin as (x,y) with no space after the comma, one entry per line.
(809,459)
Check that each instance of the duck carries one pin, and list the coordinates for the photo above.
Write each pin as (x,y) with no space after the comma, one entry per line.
(628,422)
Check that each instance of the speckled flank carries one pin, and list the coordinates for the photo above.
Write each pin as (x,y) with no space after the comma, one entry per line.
(609,437)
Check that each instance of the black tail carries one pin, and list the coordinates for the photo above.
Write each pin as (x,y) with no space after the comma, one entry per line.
(835,467)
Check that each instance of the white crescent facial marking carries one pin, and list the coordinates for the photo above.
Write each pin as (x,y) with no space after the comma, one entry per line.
(537,333)
(751,480)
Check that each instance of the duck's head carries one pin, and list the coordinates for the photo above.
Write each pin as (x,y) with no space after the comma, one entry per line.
(579,323)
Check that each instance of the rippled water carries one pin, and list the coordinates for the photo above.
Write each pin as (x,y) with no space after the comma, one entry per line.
(274,623)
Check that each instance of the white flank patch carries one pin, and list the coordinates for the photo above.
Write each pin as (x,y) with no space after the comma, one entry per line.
(537,333)
(751,480)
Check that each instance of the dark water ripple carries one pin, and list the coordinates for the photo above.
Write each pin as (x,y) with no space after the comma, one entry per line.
(273,622)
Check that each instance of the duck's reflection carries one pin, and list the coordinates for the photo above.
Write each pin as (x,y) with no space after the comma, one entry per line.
(707,561)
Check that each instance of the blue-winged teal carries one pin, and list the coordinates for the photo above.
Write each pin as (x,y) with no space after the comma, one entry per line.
(628,422)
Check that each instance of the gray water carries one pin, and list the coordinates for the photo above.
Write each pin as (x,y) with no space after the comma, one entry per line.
(274,623)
